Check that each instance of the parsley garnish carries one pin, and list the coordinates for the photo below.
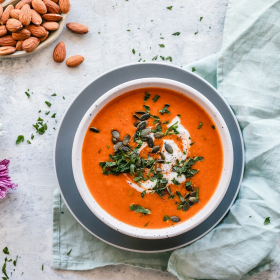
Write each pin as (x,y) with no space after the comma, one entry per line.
(147,96)
(143,193)
(32,136)
(53,94)
(42,267)
(53,116)
(176,33)
(155,57)
(169,8)
(195,32)
(165,122)
(267,221)
(169,58)
(165,109)
(175,182)
(193,69)
(156,98)
(40,126)
(172,127)
(133,51)
(63,97)
(162,57)
(200,125)
(192,143)
(69,252)
(166,218)
(28,95)
(147,108)
(20,139)
(200,19)
(6,251)
(213,126)
(47,112)
(139,209)
(161,45)
(28,142)
(48,103)
(179,115)
(146,224)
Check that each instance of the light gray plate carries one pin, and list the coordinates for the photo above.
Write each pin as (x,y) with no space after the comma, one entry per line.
(63,153)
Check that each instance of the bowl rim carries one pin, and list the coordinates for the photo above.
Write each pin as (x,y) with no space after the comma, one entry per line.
(101,213)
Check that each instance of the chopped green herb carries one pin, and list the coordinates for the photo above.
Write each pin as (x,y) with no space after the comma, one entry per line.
(165,218)
(128,30)
(133,51)
(53,115)
(48,103)
(156,98)
(200,125)
(192,143)
(161,38)
(139,209)
(155,57)
(161,45)
(32,136)
(169,8)
(267,221)
(176,33)
(200,19)
(42,267)
(15,261)
(143,193)
(28,142)
(175,182)
(63,97)
(169,58)
(213,126)
(162,57)
(53,94)
(147,108)
(165,109)
(6,251)
(69,252)
(193,69)
(195,32)
(20,139)
(28,95)
(146,224)
(147,96)
(165,122)
(179,115)
(39,111)
(47,112)
(197,192)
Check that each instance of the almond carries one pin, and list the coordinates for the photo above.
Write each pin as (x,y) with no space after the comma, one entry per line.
(52,17)
(59,52)
(7,40)
(15,13)
(77,28)
(13,25)
(3,30)
(55,1)
(30,44)
(37,31)
(21,3)
(64,6)
(36,18)
(19,45)
(74,61)
(1,11)
(45,37)
(52,7)
(7,50)
(23,34)
(39,6)
(50,25)
(25,15)
(6,14)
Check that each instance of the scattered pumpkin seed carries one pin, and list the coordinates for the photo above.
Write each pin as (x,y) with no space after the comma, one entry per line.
(117,146)
(116,134)
(135,116)
(136,123)
(144,117)
(145,132)
(141,125)
(168,148)
(187,196)
(159,134)
(186,207)
(94,129)
(175,219)
(114,140)
(140,112)
(126,149)
(162,155)
(193,199)
(138,162)
(155,149)
(150,142)
(126,139)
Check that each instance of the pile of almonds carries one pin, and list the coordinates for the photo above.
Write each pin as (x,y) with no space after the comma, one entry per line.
(30,22)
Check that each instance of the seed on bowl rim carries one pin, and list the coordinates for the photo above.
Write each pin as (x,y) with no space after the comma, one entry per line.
(94,129)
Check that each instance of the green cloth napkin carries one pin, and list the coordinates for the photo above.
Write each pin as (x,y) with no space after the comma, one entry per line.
(246,72)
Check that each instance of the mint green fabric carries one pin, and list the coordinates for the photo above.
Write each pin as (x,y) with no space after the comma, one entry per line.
(247,73)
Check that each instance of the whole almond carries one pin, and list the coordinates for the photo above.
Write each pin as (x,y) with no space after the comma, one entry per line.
(45,37)
(52,7)
(1,11)
(77,28)
(50,25)
(21,3)
(13,25)
(52,17)
(39,6)
(59,52)
(64,6)
(21,35)
(36,18)
(3,30)
(30,44)
(7,50)
(25,15)
(37,31)
(15,13)
(74,61)
(19,45)
(7,40)
(6,14)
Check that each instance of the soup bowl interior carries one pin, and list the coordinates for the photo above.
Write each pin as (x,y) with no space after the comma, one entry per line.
(181,227)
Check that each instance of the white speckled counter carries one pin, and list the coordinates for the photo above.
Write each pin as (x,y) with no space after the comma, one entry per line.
(26,214)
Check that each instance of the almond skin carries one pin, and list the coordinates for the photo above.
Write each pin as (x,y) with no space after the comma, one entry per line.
(36,18)
(77,28)
(7,41)
(21,3)
(45,37)
(39,6)
(52,17)
(6,14)
(7,50)
(59,52)
(15,13)
(22,35)
(74,61)
(37,31)
(52,7)
(1,11)
(13,25)
(3,30)
(25,15)
(19,45)
(64,6)
(30,44)
(55,1)
(50,25)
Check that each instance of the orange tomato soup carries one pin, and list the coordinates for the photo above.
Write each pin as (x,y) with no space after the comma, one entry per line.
(114,194)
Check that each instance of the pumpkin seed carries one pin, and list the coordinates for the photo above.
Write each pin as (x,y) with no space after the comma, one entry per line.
(114,140)
(175,219)
(94,129)
(141,125)
(126,149)
(150,142)
(117,146)
(116,134)
(187,196)
(158,169)
(136,123)
(135,116)
(144,117)
(162,155)
(140,112)
(186,207)
(145,132)
(135,136)
(159,134)
(144,138)
(126,139)
(155,149)
(168,148)
(193,194)
(193,200)
(160,161)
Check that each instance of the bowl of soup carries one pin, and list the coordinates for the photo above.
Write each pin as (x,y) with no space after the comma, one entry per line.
(152,158)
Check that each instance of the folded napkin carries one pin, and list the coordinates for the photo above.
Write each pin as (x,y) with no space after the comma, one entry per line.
(246,72)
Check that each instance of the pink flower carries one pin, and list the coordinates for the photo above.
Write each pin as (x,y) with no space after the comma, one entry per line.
(5,180)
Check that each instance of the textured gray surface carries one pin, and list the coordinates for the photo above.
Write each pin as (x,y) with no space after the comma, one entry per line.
(26,215)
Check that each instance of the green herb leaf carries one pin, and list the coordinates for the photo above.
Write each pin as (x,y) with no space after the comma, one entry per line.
(155,57)
(169,8)
(195,32)
(48,103)
(161,45)
(162,57)
(146,224)
(69,252)
(6,251)
(47,112)
(147,108)
(147,96)
(175,182)
(169,58)
(53,94)
(267,221)
(133,51)
(165,218)
(165,109)
(63,97)
(143,193)
(139,209)
(53,116)
(28,142)
(176,33)
(213,126)
(200,19)
(193,69)
(20,139)
(200,125)
(197,192)
(42,267)
(28,95)
(192,143)
(156,98)
(180,196)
